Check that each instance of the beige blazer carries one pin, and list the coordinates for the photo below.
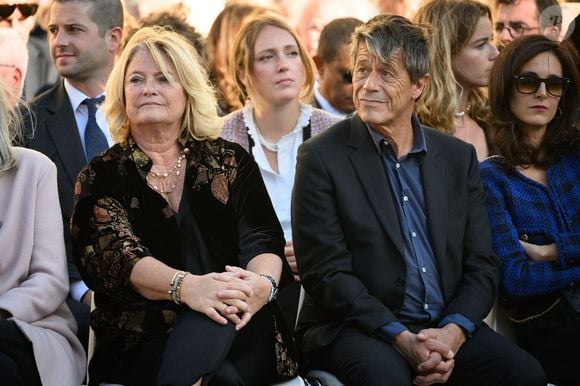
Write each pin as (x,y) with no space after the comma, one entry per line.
(33,273)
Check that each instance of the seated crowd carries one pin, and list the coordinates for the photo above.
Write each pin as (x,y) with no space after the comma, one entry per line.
(305,188)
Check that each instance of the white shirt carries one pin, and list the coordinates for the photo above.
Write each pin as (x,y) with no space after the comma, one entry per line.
(76,98)
(279,185)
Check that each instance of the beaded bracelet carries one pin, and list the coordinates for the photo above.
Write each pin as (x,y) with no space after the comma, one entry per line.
(175,286)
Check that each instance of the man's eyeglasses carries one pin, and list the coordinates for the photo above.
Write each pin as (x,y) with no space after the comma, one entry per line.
(514,29)
(346,77)
(529,84)
(26,10)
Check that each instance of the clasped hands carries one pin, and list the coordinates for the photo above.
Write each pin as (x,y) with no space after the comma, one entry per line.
(430,352)
(234,295)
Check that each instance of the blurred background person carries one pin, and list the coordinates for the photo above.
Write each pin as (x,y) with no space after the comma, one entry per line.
(220,42)
(177,22)
(333,91)
(275,76)
(22,17)
(515,18)
(174,231)
(318,13)
(406,8)
(533,198)
(461,56)
(13,64)
(37,331)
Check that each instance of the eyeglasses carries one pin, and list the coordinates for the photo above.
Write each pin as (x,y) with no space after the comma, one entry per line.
(26,10)
(514,29)
(346,77)
(529,84)
(7,65)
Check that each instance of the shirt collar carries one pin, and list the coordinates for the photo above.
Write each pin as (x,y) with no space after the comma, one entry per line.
(326,106)
(75,96)
(419,143)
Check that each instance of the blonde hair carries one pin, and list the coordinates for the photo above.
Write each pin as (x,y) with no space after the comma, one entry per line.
(200,119)
(453,22)
(244,55)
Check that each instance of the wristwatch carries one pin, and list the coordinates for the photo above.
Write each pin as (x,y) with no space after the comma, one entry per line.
(274,290)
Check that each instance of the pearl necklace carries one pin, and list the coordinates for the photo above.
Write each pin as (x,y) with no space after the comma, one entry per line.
(160,177)
(461,113)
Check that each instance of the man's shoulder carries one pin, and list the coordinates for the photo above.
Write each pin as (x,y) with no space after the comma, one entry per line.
(447,145)
(337,132)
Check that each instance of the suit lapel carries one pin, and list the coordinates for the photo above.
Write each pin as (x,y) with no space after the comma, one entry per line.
(371,173)
(433,176)
(62,128)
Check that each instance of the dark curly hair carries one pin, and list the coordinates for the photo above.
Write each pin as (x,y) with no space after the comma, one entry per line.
(562,134)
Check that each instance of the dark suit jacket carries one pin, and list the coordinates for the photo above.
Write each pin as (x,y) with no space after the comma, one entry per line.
(55,134)
(348,242)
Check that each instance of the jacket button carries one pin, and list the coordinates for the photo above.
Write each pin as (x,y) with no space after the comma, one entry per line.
(400,282)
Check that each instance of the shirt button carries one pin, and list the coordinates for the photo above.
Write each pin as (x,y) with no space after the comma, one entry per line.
(413,234)
(405,198)
(397,165)
(423,269)
(426,306)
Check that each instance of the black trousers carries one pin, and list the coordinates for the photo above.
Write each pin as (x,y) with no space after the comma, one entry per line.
(555,340)
(17,363)
(486,358)
(199,347)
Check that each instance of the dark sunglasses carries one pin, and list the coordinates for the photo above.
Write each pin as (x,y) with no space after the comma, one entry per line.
(26,10)
(346,77)
(529,84)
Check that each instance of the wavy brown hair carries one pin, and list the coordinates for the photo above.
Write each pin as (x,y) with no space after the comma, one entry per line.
(452,24)
(562,134)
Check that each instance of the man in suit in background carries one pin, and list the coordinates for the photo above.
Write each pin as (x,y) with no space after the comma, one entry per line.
(333,92)
(515,18)
(392,238)
(83,37)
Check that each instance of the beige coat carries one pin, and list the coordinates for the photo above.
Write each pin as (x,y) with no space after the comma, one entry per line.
(33,274)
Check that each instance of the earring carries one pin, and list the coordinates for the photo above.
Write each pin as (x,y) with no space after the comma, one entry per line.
(559,113)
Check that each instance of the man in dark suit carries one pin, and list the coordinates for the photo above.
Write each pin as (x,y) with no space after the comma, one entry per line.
(333,91)
(392,238)
(83,37)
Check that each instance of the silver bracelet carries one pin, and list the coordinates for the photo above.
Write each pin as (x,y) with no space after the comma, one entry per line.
(175,286)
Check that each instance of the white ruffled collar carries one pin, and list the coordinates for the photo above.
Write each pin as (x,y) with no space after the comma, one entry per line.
(302,122)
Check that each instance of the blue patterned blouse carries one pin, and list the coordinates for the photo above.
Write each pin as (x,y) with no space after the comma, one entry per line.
(522,209)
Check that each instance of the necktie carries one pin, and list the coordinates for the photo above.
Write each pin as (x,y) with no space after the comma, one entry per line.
(95,140)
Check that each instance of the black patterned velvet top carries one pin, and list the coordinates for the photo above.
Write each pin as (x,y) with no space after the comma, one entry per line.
(119,219)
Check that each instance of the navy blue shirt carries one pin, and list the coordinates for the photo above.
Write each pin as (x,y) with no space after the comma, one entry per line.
(423,302)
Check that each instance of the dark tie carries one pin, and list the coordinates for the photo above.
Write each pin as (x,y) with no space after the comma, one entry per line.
(95,140)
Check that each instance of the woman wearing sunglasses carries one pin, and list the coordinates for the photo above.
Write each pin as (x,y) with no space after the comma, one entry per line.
(275,77)
(534,198)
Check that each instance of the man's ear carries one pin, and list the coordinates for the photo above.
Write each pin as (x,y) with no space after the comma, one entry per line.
(319,64)
(114,37)
(420,86)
